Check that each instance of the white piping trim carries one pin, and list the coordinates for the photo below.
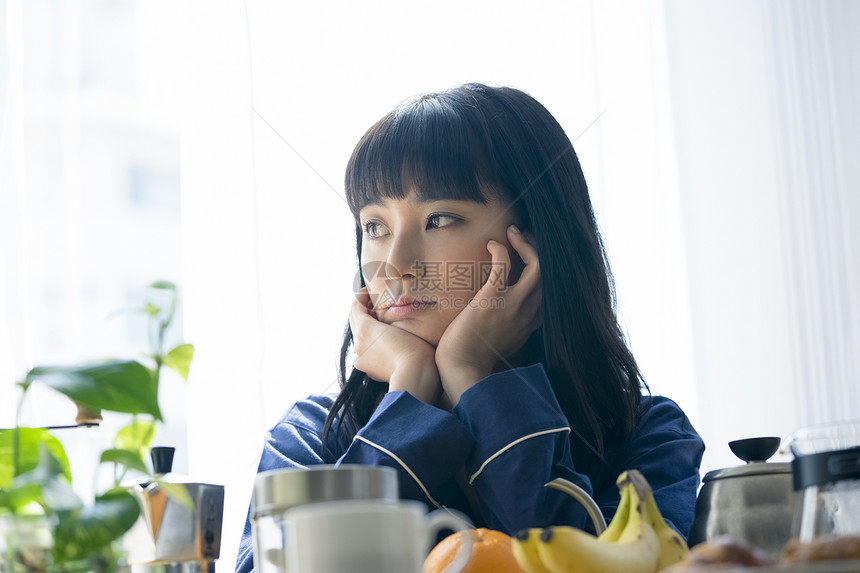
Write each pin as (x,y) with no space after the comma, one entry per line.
(405,467)
(509,446)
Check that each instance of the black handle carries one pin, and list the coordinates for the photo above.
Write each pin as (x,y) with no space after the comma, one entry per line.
(825,467)
(162,459)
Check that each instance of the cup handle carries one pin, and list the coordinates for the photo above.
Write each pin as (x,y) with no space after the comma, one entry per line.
(278,558)
(456,521)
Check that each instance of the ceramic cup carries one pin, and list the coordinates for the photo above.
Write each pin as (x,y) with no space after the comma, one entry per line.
(366,536)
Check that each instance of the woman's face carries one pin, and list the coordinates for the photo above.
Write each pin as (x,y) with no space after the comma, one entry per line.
(423,261)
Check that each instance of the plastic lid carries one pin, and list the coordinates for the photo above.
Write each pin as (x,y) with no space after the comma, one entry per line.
(825,438)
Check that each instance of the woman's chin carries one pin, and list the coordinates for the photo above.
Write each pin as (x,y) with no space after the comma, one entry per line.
(421,331)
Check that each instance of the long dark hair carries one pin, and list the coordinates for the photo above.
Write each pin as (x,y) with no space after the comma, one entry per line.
(465,143)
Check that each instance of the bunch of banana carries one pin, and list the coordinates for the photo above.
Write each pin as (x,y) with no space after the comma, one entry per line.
(638,539)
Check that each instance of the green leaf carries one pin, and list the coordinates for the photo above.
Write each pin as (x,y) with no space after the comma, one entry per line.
(152,309)
(82,533)
(45,485)
(48,467)
(163,285)
(119,386)
(179,359)
(16,499)
(135,437)
(176,491)
(30,440)
(58,495)
(127,458)
(108,559)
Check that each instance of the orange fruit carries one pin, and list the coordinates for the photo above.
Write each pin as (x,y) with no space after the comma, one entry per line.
(491,553)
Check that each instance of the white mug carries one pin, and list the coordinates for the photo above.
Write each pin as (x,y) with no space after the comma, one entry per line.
(367,536)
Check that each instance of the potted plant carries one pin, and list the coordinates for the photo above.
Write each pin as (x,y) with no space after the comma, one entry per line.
(44,525)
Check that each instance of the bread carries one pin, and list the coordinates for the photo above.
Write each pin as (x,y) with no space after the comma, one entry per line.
(824,548)
(721,553)
(725,553)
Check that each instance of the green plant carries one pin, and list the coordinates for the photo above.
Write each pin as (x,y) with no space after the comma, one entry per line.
(35,475)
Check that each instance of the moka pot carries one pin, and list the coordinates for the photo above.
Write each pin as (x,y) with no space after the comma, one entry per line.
(171,534)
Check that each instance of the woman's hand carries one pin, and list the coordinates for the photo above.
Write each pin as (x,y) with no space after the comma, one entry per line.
(495,324)
(390,354)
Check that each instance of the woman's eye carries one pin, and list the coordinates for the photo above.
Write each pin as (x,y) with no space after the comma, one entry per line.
(374,229)
(438,220)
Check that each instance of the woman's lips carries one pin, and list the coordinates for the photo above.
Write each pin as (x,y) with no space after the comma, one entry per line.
(404,307)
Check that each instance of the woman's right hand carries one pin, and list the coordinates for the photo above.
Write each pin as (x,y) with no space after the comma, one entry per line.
(390,354)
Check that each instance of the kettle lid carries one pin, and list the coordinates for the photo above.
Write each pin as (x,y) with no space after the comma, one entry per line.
(748,470)
(755,452)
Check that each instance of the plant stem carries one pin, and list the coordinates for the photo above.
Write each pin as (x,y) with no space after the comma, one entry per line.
(16,436)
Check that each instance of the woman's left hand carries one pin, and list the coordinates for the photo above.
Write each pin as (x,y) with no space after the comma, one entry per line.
(489,331)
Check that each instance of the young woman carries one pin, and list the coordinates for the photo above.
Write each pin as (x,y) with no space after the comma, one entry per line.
(488,359)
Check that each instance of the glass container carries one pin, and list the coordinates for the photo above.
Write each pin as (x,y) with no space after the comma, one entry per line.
(826,469)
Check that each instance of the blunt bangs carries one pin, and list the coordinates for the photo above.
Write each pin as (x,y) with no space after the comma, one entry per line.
(433,144)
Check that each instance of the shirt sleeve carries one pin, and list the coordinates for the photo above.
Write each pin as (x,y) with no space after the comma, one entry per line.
(294,442)
(522,441)
(424,444)
(668,451)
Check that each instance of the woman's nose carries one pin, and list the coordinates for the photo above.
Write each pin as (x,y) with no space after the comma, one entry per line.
(404,260)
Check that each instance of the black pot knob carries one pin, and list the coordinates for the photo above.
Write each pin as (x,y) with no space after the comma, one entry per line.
(755,449)
(162,459)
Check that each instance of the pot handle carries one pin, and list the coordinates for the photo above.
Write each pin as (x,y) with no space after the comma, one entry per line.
(582,497)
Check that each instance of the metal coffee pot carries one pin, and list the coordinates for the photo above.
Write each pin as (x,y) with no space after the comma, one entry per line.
(754,503)
(170,535)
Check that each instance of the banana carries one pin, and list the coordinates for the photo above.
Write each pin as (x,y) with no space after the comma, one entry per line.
(525,547)
(638,539)
(672,545)
(619,520)
(564,549)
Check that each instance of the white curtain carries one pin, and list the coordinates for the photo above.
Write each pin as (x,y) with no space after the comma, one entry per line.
(221,251)
(764,106)
(817,137)
(13,246)
(89,186)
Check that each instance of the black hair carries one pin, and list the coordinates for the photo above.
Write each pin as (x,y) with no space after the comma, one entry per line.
(472,141)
